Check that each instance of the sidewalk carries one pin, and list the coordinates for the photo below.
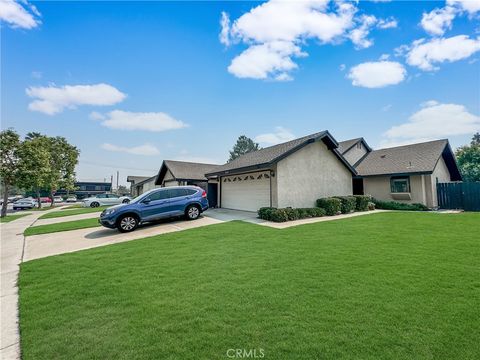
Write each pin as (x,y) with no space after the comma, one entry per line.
(12,243)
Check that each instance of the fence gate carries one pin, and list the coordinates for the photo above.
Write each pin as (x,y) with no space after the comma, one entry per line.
(461,195)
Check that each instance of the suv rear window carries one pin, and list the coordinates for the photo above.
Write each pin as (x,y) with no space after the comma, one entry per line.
(177,192)
(159,195)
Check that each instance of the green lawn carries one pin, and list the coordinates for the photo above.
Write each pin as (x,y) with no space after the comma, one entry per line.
(63,226)
(9,218)
(383,286)
(74,211)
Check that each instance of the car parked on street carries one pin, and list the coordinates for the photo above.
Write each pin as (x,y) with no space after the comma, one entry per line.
(45,200)
(57,199)
(27,203)
(71,199)
(156,204)
(105,200)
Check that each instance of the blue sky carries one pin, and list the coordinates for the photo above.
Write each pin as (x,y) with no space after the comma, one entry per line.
(132,84)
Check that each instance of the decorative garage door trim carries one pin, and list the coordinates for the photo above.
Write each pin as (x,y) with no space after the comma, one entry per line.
(247,192)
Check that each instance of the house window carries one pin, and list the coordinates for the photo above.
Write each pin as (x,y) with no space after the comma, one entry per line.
(400,184)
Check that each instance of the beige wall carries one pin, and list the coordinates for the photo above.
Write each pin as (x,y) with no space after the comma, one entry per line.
(171,183)
(379,188)
(146,186)
(310,173)
(355,153)
(441,174)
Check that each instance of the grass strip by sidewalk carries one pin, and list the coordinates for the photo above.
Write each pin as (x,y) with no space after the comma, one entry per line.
(74,211)
(63,226)
(9,218)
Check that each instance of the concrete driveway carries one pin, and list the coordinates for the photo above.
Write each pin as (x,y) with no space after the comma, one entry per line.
(39,246)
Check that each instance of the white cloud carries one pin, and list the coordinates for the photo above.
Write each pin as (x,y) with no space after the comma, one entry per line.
(342,67)
(52,99)
(377,74)
(151,121)
(19,16)
(470,6)
(280,135)
(36,74)
(433,121)
(225,32)
(384,57)
(269,59)
(275,32)
(359,35)
(424,54)
(389,23)
(95,115)
(437,21)
(145,150)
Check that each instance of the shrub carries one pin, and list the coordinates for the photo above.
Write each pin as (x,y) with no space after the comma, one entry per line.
(332,206)
(288,214)
(348,204)
(394,205)
(362,202)
(371,205)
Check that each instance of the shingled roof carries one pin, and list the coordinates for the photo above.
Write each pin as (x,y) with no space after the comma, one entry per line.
(409,159)
(267,156)
(183,170)
(344,146)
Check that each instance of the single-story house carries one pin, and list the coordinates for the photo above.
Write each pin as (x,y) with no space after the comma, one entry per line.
(176,173)
(298,172)
(134,180)
(294,173)
(141,184)
(406,173)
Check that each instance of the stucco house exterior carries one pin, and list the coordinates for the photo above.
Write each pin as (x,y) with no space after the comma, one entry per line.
(407,173)
(298,172)
(294,173)
(141,184)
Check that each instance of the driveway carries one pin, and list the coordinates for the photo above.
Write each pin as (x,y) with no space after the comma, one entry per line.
(39,246)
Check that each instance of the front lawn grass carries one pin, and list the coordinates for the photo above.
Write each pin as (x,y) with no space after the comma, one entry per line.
(74,211)
(381,286)
(63,226)
(9,218)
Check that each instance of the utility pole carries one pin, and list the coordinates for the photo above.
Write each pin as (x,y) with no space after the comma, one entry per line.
(111,183)
(117,180)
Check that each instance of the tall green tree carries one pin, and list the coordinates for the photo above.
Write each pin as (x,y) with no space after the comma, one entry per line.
(9,158)
(34,165)
(63,158)
(468,159)
(243,146)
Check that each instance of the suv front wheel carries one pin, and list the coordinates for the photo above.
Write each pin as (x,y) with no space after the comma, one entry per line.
(127,223)
(192,212)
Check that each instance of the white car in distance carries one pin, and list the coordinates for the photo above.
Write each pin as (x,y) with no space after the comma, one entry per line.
(105,200)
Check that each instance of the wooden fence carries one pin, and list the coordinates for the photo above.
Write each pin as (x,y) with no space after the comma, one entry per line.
(461,195)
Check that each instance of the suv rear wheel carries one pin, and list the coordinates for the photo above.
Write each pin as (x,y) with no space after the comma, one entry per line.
(192,212)
(127,223)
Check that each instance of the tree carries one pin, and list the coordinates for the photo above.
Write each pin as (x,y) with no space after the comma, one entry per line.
(63,157)
(468,159)
(9,158)
(34,165)
(243,146)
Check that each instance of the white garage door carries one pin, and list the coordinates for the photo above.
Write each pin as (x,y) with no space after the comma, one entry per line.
(247,192)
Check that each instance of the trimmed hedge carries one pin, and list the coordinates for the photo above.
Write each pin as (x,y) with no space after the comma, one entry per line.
(362,202)
(394,205)
(348,204)
(332,205)
(289,214)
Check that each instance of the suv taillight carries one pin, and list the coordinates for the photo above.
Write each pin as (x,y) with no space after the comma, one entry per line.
(204,194)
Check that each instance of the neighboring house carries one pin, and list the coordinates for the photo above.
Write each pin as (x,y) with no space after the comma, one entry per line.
(175,173)
(145,185)
(134,182)
(84,189)
(406,173)
(295,174)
